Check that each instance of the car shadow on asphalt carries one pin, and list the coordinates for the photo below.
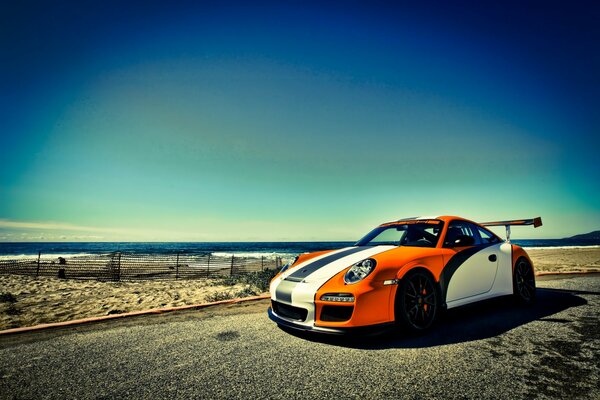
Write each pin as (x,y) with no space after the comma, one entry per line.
(482,320)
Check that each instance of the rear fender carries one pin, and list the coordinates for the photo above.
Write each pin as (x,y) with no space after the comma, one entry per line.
(518,252)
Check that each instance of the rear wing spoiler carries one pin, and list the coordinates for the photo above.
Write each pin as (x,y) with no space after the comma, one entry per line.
(536,222)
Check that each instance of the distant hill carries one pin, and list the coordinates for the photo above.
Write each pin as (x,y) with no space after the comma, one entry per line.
(592,235)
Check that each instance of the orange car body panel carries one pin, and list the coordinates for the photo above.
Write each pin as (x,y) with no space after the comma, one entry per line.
(518,252)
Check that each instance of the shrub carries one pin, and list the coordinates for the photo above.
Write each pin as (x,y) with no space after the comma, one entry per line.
(230,294)
(219,296)
(7,298)
(12,310)
(245,292)
(259,279)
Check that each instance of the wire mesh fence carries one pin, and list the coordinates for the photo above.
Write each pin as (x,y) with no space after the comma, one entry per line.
(118,266)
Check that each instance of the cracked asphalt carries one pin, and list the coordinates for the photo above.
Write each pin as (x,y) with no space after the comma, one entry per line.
(495,349)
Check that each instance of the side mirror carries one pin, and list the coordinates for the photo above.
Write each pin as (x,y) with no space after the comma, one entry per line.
(464,240)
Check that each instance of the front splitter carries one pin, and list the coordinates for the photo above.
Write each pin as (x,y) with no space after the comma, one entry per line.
(361,330)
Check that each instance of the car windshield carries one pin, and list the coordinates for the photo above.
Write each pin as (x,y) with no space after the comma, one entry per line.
(404,233)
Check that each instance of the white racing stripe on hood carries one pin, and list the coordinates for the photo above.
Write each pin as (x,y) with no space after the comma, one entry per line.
(310,261)
(306,290)
(326,272)
(285,274)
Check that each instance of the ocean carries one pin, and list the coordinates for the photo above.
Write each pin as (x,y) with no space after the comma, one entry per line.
(16,250)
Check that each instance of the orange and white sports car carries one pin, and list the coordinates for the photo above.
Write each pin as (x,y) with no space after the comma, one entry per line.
(403,272)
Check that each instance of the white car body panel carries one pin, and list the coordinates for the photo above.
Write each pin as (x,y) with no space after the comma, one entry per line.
(478,278)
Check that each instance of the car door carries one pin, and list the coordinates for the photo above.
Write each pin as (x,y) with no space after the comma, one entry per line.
(470,264)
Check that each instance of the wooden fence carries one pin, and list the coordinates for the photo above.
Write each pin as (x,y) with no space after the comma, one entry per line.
(119,266)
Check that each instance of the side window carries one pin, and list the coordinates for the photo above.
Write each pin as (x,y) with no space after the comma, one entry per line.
(474,232)
(460,234)
(487,236)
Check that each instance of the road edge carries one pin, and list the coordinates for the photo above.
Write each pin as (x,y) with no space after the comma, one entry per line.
(83,321)
(566,273)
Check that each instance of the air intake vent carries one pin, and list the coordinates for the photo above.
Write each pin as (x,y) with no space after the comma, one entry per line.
(336,313)
(287,311)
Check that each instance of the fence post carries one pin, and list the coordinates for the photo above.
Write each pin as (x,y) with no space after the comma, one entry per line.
(262,263)
(119,267)
(231,270)
(208,266)
(37,271)
(177,267)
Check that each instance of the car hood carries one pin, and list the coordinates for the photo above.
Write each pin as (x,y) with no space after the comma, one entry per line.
(329,264)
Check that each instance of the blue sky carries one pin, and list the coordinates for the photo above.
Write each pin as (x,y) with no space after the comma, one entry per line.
(283,121)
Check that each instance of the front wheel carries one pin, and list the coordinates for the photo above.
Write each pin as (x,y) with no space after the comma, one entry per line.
(524,282)
(417,301)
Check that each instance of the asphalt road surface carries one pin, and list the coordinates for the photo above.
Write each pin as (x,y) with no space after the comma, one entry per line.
(491,350)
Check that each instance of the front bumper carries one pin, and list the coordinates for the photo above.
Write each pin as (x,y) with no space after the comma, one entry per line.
(333,331)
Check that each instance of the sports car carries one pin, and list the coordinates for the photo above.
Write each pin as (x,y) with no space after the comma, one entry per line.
(403,273)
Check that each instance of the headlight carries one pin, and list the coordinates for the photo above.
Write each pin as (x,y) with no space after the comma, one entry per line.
(289,264)
(359,271)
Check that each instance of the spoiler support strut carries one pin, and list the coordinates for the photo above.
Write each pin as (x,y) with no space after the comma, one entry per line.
(536,222)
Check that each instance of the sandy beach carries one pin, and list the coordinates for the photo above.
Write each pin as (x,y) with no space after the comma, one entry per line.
(36,301)
(586,259)
(26,301)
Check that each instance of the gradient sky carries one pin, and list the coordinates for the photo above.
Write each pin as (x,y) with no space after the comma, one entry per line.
(202,121)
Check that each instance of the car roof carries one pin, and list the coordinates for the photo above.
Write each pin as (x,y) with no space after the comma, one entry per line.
(445,218)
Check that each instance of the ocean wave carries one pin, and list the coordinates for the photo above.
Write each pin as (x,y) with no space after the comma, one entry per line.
(47,257)
(267,255)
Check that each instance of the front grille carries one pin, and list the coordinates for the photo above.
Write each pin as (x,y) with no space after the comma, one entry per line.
(291,312)
(336,313)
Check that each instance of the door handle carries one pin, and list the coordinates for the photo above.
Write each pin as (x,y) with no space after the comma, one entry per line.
(492,257)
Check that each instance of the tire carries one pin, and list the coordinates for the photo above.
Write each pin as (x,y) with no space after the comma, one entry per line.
(417,302)
(524,282)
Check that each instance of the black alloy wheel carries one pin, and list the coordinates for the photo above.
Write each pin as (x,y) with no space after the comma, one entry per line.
(524,282)
(417,301)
